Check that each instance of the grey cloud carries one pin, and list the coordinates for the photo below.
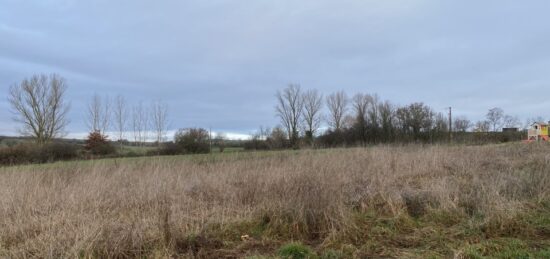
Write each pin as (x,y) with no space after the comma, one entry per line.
(218,63)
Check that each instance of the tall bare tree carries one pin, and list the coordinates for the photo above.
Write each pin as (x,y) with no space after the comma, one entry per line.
(374,117)
(482,126)
(387,114)
(495,117)
(337,105)
(98,114)
(120,112)
(361,103)
(289,109)
(140,122)
(461,124)
(159,120)
(313,103)
(415,119)
(510,121)
(38,103)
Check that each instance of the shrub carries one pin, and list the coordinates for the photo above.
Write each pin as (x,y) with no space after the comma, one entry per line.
(274,139)
(132,154)
(169,149)
(277,139)
(98,144)
(60,151)
(193,140)
(335,138)
(15,155)
(32,153)
(296,251)
(256,144)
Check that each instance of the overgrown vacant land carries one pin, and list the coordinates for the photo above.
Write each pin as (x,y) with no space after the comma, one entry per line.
(405,202)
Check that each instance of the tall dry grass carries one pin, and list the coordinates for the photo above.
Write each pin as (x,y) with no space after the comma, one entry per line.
(158,207)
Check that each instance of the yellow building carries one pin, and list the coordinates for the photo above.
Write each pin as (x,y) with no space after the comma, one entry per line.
(538,131)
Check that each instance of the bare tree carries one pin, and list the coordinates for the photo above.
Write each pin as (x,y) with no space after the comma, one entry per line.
(98,114)
(337,105)
(414,119)
(495,117)
(373,113)
(159,120)
(510,121)
(440,123)
(361,103)
(387,114)
(482,126)
(220,141)
(263,132)
(461,124)
(38,103)
(289,109)
(139,123)
(313,103)
(120,116)
(347,122)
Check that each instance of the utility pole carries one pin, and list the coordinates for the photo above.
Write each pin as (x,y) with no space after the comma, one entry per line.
(450,124)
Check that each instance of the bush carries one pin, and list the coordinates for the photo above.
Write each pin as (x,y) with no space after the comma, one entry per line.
(193,140)
(168,149)
(335,138)
(98,144)
(60,151)
(256,144)
(15,155)
(272,140)
(32,153)
(132,154)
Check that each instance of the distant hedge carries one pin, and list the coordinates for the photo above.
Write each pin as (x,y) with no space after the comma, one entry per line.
(32,153)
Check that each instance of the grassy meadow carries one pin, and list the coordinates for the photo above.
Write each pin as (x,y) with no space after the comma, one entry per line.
(379,202)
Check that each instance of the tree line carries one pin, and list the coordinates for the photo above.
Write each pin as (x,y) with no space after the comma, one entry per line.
(307,117)
(38,104)
(115,115)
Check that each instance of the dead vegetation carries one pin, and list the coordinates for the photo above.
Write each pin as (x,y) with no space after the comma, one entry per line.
(408,201)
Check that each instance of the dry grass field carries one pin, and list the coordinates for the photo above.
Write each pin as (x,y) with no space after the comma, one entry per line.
(396,202)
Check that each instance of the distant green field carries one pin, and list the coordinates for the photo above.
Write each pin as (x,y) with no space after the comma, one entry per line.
(137,150)
(227,149)
(232,155)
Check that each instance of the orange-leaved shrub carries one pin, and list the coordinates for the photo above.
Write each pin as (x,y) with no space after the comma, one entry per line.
(98,144)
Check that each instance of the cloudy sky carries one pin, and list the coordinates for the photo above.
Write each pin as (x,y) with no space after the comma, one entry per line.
(218,63)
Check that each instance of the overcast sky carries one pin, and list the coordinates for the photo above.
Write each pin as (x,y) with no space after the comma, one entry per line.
(218,63)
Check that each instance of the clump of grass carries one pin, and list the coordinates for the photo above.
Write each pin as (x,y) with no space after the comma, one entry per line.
(296,251)
(503,248)
(331,254)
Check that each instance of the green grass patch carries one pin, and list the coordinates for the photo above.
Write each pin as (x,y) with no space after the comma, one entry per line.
(296,251)
(505,248)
